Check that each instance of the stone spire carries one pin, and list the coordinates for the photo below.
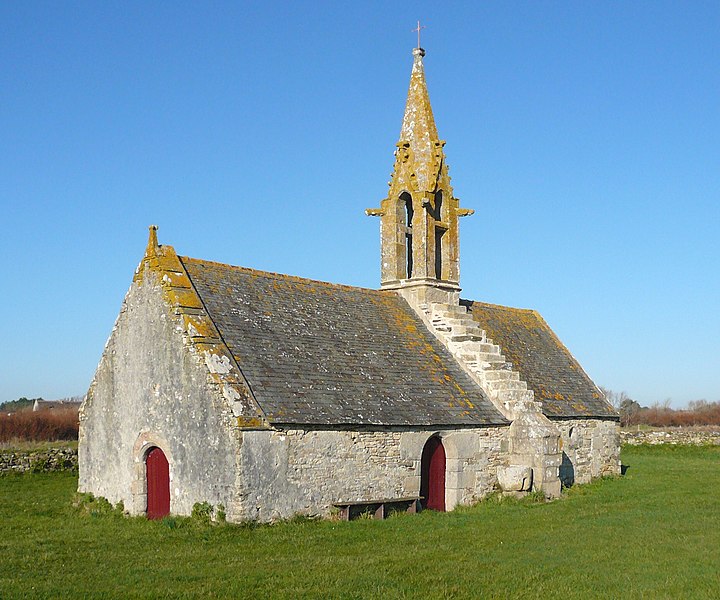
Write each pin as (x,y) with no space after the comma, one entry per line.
(418,126)
(419,217)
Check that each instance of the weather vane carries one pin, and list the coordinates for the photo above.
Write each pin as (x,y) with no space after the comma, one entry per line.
(418,28)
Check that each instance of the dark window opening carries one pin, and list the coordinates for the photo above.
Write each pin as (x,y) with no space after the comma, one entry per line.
(409,213)
(438,205)
(409,253)
(438,252)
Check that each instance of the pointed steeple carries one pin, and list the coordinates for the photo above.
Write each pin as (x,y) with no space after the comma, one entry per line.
(419,218)
(418,126)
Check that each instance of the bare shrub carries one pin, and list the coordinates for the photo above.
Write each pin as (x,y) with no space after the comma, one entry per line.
(661,415)
(48,425)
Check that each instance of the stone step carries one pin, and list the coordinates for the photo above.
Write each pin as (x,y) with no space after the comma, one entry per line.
(501,375)
(508,385)
(449,312)
(477,334)
(455,319)
(515,395)
(494,358)
(451,322)
(440,307)
(481,347)
(466,337)
(464,330)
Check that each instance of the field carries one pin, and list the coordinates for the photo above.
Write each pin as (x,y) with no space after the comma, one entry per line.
(654,533)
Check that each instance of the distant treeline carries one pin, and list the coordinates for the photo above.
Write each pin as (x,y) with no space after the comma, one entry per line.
(27,403)
(19,404)
(660,414)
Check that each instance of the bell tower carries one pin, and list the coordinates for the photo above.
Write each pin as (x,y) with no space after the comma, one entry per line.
(419,216)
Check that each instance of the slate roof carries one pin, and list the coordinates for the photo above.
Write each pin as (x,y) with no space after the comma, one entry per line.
(316,353)
(544,363)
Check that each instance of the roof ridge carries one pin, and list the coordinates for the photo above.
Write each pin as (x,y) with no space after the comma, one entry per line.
(492,304)
(283,276)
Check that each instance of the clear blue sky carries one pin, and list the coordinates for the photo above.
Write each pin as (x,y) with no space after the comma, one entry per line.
(585,135)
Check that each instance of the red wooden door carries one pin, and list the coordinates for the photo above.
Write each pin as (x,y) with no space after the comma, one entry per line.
(158,484)
(432,476)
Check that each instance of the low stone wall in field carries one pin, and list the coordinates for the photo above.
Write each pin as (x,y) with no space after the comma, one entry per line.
(53,459)
(673,435)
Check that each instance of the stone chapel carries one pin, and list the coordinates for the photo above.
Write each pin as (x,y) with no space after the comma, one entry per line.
(272,395)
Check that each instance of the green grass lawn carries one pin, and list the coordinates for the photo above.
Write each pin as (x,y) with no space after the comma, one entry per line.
(654,533)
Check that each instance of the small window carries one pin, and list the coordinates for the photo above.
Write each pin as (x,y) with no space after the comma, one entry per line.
(409,214)
(439,232)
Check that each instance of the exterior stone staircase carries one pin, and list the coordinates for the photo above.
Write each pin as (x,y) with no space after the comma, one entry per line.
(534,452)
(468,342)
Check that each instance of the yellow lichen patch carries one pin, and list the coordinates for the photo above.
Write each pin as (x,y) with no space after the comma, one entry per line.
(249,422)
(175,279)
(200,330)
(183,298)
(167,259)
(199,326)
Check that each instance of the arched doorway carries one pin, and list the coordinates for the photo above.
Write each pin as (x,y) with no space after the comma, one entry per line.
(432,475)
(157,472)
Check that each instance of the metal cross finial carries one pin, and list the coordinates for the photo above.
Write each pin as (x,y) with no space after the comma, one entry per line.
(418,28)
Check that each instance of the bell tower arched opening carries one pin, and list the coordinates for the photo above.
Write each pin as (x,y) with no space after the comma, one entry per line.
(406,199)
(419,216)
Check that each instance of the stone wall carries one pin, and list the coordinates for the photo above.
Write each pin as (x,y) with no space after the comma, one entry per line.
(52,459)
(676,435)
(305,471)
(151,389)
(590,449)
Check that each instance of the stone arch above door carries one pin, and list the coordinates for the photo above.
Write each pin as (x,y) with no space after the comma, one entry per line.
(145,442)
(463,452)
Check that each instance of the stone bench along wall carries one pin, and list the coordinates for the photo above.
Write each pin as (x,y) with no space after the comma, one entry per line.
(53,459)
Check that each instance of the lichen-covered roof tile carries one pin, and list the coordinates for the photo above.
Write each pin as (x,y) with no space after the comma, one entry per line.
(316,353)
(544,363)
